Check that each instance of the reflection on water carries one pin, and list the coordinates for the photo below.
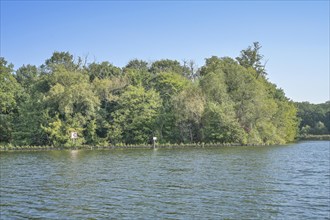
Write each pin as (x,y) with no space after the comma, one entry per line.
(74,154)
(279,182)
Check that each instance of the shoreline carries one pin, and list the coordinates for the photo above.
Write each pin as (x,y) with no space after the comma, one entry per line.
(310,137)
(121,146)
(4,148)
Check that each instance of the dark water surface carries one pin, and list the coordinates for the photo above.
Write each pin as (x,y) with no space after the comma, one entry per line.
(277,182)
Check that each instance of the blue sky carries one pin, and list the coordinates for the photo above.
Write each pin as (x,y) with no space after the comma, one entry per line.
(294,35)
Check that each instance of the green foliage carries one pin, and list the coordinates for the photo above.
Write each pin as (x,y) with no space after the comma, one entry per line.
(219,120)
(314,118)
(259,107)
(72,102)
(225,101)
(137,65)
(168,66)
(62,59)
(135,116)
(27,129)
(251,58)
(103,70)
(9,88)
(220,125)
(188,107)
(27,76)
(138,77)
(10,92)
(169,84)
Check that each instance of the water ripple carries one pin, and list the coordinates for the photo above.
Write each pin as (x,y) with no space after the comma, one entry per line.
(279,182)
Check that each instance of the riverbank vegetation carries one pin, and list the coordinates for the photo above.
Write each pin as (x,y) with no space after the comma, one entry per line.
(225,101)
(314,120)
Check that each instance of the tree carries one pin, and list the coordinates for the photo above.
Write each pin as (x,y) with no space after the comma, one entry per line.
(219,120)
(223,101)
(137,73)
(138,77)
(168,66)
(312,115)
(320,128)
(192,71)
(251,58)
(27,125)
(63,59)
(103,70)
(262,111)
(168,85)
(189,106)
(220,125)
(108,92)
(27,75)
(9,93)
(135,116)
(71,104)
(137,65)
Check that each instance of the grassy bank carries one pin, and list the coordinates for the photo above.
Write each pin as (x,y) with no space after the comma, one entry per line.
(314,137)
(10,147)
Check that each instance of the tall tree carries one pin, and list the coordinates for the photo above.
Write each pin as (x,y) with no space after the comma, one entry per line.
(63,59)
(134,119)
(251,58)
(168,66)
(189,107)
(137,65)
(9,92)
(169,85)
(219,120)
(27,75)
(312,116)
(71,104)
(103,70)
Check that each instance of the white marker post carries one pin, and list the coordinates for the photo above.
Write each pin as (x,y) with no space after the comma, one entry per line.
(154,139)
(74,135)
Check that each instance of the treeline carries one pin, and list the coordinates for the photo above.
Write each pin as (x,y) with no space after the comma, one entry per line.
(225,101)
(314,118)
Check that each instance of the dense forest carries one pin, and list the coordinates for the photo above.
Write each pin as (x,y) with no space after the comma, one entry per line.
(225,101)
(314,118)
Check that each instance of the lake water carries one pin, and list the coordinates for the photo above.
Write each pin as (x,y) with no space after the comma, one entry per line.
(275,182)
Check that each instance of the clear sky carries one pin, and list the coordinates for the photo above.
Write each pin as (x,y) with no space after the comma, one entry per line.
(294,35)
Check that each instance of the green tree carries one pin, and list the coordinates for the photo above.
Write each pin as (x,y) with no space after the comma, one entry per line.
(27,76)
(225,100)
(311,114)
(320,128)
(169,85)
(63,59)
(251,58)
(137,65)
(137,73)
(261,109)
(168,66)
(71,104)
(103,70)
(219,120)
(27,129)
(135,117)
(220,125)
(9,92)
(108,91)
(189,106)
(138,77)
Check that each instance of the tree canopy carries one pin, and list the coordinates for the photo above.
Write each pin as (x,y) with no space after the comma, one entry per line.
(314,118)
(225,101)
